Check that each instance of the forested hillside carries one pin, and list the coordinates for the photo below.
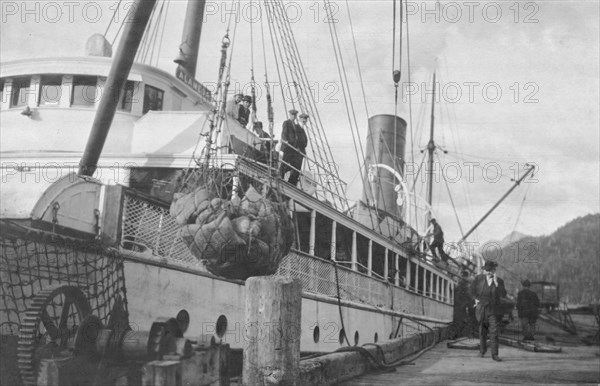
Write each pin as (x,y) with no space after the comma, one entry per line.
(570,257)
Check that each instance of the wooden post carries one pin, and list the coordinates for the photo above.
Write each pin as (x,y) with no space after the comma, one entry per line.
(161,373)
(271,332)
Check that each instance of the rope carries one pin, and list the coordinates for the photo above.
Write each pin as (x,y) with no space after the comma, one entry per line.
(287,50)
(112,19)
(462,233)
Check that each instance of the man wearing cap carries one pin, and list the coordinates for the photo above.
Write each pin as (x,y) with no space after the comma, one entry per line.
(528,305)
(289,144)
(487,289)
(244,110)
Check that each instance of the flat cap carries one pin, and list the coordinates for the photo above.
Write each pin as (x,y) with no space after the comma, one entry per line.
(303,115)
(293,111)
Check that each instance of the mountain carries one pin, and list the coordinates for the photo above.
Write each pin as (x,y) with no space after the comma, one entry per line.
(570,257)
(512,237)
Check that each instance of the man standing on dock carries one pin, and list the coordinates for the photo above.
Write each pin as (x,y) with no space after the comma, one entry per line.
(487,289)
(528,305)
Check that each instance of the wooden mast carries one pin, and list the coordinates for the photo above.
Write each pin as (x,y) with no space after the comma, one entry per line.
(431,148)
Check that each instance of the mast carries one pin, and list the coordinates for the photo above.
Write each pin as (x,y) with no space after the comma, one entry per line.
(531,169)
(431,148)
(190,39)
(117,76)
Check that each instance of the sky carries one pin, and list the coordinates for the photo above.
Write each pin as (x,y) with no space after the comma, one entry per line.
(518,83)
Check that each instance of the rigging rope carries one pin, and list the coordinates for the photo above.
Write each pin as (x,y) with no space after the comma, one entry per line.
(112,19)
(285,48)
(462,233)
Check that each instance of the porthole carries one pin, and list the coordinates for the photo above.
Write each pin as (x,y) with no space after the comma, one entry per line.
(221,326)
(316,334)
(183,319)
(342,336)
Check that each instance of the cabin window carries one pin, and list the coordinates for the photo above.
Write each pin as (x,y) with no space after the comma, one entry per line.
(127,96)
(153,99)
(20,91)
(84,90)
(1,92)
(50,90)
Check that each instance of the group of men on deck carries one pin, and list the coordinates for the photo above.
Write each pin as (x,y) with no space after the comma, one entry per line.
(293,134)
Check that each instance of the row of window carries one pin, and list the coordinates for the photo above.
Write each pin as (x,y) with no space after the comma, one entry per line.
(84,92)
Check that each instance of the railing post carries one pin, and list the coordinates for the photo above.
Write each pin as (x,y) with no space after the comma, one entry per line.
(311,241)
(408,273)
(431,278)
(333,249)
(370,259)
(386,266)
(417,266)
(354,252)
(397,269)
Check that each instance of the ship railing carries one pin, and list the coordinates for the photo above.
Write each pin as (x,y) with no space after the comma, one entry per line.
(318,276)
(327,185)
(149,232)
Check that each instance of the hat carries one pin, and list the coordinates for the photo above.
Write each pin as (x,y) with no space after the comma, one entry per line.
(303,115)
(258,124)
(489,265)
(432,220)
(247,98)
(293,111)
(526,283)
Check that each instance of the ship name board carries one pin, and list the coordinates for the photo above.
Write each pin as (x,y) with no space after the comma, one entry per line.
(186,78)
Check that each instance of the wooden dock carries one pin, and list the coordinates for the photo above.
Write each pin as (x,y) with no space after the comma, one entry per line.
(575,364)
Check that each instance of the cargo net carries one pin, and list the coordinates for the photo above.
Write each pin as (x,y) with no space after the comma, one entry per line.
(237,226)
(30,266)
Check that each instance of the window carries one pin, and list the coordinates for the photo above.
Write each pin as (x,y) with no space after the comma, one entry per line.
(50,90)
(1,92)
(20,92)
(127,96)
(153,99)
(84,91)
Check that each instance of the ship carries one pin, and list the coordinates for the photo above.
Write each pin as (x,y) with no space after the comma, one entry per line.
(89,178)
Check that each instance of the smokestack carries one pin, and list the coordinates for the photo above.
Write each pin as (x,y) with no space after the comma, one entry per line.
(386,141)
(190,39)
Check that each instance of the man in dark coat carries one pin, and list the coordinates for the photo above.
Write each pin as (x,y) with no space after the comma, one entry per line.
(301,143)
(528,305)
(487,289)
(244,110)
(293,145)
(435,230)
(463,307)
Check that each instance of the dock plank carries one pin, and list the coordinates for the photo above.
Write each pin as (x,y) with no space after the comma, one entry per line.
(446,366)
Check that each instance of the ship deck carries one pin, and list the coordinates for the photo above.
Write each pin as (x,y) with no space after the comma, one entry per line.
(577,363)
